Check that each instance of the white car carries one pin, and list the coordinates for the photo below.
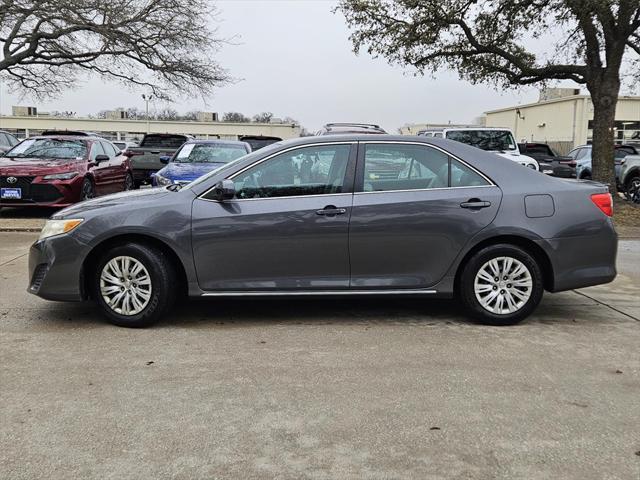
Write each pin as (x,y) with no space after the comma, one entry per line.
(497,140)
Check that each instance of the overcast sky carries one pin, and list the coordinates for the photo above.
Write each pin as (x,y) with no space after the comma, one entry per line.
(294,59)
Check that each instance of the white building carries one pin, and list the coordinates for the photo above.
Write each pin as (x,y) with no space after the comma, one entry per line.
(563,118)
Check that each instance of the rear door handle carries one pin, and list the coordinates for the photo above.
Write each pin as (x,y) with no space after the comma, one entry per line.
(331,210)
(475,204)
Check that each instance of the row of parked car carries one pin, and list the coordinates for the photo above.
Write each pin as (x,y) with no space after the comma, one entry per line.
(57,169)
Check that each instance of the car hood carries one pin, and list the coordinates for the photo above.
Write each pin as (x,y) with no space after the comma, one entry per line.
(130,198)
(187,171)
(34,166)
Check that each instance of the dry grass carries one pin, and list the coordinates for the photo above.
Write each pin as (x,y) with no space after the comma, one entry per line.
(626,214)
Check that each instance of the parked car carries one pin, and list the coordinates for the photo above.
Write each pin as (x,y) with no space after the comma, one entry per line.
(197,157)
(60,171)
(313,216)
(630,177)
(259,141)
(350,128)
(549,161)
(497,140)
(7,141)
(145,158)
(582,156)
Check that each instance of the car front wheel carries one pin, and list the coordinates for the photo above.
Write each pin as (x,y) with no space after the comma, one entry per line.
(632,189)
(132,285)
(501,285)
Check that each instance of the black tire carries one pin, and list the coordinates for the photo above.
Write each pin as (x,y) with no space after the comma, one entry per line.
(632,188)
(467,291)
(129,183)
(163,289)
(88,190)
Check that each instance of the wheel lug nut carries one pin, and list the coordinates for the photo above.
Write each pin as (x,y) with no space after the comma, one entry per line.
(508,285)
(495,288)
(497,279)
(502,292)
(504,278)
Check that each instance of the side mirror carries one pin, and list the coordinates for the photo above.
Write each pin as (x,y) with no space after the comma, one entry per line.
(224,190)
(101,158)
(165,159)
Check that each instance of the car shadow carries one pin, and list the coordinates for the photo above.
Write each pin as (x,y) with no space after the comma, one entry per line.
(255,311)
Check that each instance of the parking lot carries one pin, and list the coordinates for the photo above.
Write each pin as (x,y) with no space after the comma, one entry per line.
(320,388)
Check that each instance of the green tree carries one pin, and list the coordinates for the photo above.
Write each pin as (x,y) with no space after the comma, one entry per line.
(165,46)
(595,43)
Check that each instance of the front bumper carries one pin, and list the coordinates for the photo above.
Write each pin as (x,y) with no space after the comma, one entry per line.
(55,268)
(36,192)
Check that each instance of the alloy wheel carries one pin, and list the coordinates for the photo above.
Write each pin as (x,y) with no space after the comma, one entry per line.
(503,285)
(125,285)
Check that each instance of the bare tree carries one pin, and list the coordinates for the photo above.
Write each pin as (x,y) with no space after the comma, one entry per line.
(485,40)
(165,46)
(264,117)
(235,117)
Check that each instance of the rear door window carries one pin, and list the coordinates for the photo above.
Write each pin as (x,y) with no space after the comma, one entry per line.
(397,167)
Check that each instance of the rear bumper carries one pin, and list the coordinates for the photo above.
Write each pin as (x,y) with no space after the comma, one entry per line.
(583,261)
(55,268)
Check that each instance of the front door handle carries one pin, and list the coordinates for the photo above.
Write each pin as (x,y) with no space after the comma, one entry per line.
(475,204)
(331,210)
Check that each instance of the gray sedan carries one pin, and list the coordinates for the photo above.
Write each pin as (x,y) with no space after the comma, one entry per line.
(339,215)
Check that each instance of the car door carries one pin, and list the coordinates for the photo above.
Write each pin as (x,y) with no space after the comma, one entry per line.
(100,171)
(114,169)
(414,210)
(287,227)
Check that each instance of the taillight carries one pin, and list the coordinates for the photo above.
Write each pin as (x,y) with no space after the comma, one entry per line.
(604,201)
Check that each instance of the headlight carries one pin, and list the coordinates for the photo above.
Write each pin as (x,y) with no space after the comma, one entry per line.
(58,227)
(163,181)
(61,176)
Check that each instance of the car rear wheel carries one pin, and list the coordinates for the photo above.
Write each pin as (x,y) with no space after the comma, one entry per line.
(88,190)
(132,285)
(501,285)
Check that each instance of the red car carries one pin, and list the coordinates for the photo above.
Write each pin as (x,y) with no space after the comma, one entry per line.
(57,171)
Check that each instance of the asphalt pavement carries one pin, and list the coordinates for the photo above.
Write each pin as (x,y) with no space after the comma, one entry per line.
(320,388)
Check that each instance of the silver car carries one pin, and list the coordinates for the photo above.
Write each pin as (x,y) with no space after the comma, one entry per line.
(335,215)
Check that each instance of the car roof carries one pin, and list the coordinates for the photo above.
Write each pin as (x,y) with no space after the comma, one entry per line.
(70,137)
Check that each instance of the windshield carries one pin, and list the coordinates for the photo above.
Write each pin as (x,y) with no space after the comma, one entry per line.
(209,153)
(492,140)
(49,148)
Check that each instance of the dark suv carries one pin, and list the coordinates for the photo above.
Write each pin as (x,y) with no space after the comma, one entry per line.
(550,162)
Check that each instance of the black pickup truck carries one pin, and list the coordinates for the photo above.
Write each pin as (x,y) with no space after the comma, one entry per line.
(550,162)
(145,159)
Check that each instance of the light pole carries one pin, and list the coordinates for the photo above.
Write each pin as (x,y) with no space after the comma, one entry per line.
(147,99)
